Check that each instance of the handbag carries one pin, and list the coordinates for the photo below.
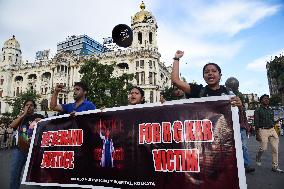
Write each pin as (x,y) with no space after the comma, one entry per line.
(23,144)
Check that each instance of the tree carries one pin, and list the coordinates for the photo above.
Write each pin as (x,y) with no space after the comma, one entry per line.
(6,118)
(17,102)
(105,89)
(275,100)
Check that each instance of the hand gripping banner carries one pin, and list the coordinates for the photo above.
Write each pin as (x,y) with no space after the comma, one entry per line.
(186,144)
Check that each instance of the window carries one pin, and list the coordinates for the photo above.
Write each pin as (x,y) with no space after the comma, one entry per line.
(142,63)
(151,96)
(1,93)
(155,78)
(143,78)
(150,78)
(150,37)
(137,64)
(1,81)
(137,77)
(140,37)
(18,91)
(150,63)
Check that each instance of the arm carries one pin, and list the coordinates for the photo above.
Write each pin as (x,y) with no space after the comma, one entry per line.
(15,124)
(53,102)
(101,135)
(185,87)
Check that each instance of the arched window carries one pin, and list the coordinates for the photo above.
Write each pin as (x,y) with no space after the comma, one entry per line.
(140,37)
(123,66)
(150,37)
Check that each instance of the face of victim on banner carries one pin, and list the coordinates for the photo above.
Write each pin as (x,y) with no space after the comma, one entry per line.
(136,96)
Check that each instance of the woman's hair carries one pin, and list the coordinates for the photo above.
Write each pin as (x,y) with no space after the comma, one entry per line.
(29,100)
(141,92)
(211,63)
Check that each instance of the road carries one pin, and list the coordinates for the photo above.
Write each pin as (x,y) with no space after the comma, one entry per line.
(262,178)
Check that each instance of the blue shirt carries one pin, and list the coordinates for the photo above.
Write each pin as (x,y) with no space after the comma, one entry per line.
(85,106)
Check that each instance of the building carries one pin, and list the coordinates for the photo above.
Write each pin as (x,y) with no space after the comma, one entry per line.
(142,59)
(80,45)
(251,101)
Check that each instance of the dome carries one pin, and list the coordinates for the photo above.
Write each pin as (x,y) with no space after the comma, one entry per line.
(143,16)
(12,43)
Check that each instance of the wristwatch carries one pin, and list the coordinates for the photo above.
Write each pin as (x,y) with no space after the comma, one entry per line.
(175,58)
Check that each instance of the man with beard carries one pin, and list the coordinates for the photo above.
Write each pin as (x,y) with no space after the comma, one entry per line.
(80,104)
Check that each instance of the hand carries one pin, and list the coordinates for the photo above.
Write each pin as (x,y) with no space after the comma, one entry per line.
(73,114)
(236,101)
(26,109)
(58,88)
(102,108)
(179,54)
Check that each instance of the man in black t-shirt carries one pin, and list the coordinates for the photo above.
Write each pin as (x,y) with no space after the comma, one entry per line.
(24,123)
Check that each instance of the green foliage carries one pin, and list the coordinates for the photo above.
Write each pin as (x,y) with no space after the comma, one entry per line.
(6,118)
(276,71)
(275,100)
(170,93)
(17,102)
(105,90)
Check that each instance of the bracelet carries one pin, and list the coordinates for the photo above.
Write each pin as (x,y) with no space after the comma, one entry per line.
(175,58)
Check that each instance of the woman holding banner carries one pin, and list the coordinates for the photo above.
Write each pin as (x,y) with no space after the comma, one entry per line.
(223,134)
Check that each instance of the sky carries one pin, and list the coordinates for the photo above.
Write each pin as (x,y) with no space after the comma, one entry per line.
(240,36)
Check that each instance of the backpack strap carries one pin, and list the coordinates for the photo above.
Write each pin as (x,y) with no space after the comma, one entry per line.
(202,91)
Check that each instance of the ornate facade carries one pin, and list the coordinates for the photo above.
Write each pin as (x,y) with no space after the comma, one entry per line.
(141,59)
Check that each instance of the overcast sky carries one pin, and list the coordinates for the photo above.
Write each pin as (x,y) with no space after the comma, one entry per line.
(239,35)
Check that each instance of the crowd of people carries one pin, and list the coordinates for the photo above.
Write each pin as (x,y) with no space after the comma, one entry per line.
(264,121)
(7,137)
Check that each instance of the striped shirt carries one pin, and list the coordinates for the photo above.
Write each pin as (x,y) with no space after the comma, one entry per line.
(264,117)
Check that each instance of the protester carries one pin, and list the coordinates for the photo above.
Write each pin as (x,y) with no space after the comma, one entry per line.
(80,104)
(2,133)
(245,127)
(136,96)
(264,123)
(9,137)
(211,74)
(22,124)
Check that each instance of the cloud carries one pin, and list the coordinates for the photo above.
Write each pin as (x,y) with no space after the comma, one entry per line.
(259,64)
(228,17)
(199,28)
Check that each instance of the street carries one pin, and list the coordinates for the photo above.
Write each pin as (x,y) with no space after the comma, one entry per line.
(262,178)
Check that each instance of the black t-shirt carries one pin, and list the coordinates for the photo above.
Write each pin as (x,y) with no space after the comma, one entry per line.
(25,130)
(198,91)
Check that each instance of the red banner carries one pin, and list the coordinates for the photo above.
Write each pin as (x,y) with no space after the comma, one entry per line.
(180,144)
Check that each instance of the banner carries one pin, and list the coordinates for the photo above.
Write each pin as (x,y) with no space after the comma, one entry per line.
(186,144)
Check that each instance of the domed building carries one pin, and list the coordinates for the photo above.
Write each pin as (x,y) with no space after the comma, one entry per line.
(141,59)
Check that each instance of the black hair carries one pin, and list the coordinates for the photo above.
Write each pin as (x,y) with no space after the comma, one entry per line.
(139,89)
(141,92)
(29,100)
(214,64)
(262,96)
(82,85)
